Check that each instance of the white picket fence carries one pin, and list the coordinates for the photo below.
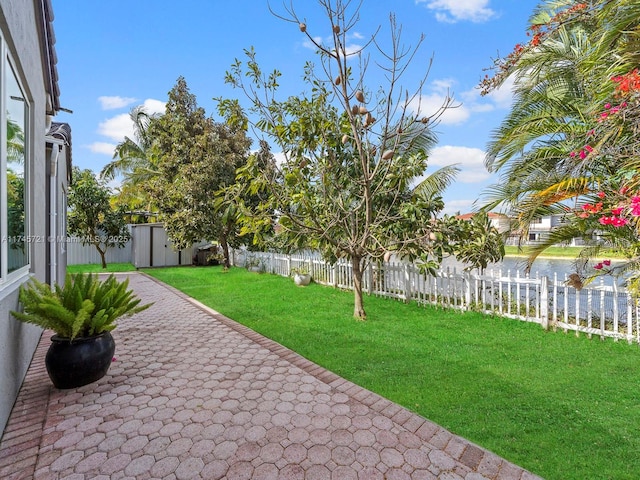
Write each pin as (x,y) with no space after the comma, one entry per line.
(596,309)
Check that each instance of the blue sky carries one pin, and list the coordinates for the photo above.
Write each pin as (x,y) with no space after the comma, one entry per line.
(118,54)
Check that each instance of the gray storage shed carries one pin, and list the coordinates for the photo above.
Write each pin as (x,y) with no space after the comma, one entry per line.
(151,247)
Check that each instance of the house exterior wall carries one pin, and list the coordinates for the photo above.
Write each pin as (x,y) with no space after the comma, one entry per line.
(21,30)
(500,222)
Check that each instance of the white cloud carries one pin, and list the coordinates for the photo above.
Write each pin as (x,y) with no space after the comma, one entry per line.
(116,128)
(430,105)
(503,96)
(310,45)
(120,126)
(350,49)
(280,158)
(500,99)
(452,11)
(103,148)
(452,207)
(115,184)
(469,160)
(112,103)
(153,106)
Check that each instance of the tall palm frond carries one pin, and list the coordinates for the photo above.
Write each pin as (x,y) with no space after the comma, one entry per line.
(131,154)
(15,142)
(437,181)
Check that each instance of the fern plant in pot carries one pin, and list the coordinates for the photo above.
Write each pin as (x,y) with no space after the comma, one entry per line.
(81,313)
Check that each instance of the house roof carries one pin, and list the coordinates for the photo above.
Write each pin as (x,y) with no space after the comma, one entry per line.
(491,215)
(49,56)
(62,131)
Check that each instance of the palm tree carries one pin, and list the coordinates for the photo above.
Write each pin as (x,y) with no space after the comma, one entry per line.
(15,142)
(132,157)
(550,117)
(134,160)
(551,149)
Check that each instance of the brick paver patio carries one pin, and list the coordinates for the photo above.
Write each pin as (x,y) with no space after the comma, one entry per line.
(194,395)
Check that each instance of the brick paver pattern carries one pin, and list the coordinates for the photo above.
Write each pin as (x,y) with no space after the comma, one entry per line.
(193,395)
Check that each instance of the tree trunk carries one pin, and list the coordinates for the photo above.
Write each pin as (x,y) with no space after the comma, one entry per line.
(225,250)
(358,308)
(102,256)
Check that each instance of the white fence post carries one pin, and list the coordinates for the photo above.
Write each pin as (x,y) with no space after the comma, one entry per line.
(544,302)
(407,283)
(467,289)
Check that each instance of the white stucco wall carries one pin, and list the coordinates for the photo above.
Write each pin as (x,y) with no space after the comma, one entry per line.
(20,29)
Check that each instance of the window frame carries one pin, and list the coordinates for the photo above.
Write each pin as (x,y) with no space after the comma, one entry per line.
(8,67)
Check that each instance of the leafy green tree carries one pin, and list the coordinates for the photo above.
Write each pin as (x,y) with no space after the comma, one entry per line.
(484,243)
(196,159)
(352,152)
(15,208)
(91,217)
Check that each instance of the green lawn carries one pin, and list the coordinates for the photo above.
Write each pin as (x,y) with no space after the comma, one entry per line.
(561,406)
(96,268)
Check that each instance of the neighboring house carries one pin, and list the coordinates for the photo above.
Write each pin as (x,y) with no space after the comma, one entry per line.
(34,165)
(540,227)
(539,230)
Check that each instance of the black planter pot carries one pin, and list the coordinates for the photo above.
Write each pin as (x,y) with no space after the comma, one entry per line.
(80,362)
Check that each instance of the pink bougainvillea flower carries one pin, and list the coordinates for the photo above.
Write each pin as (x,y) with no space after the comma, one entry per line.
(605,220)
(635,199)
(601,194)
(635,209)
(583,154)
(617,211)
(619,221)
(624,190)
(598,266)
(606,262)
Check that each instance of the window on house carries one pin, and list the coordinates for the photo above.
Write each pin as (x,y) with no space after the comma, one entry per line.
(14,164)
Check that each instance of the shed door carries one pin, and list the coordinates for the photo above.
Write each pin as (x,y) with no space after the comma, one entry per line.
(162,252)
(158,246)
